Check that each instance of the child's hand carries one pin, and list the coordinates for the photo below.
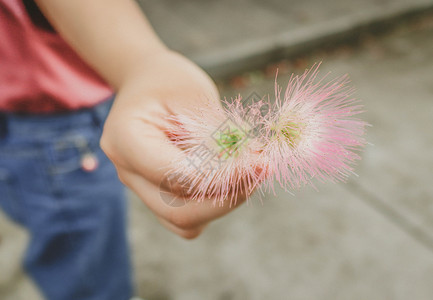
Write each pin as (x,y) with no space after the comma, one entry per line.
(135,141)
(115,38)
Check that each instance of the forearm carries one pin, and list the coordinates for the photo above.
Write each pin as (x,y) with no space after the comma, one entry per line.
(152,82)
(113,36)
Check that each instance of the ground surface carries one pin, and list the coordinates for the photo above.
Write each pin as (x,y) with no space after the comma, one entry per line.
(225,36)
(371,238)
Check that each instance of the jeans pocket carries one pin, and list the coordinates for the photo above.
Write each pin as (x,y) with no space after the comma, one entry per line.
(74,151)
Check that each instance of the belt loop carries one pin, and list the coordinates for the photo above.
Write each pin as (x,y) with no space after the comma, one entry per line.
(96,117)
(100,111)
(3,125)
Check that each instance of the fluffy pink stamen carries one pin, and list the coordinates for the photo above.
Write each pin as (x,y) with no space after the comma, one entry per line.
(308,132)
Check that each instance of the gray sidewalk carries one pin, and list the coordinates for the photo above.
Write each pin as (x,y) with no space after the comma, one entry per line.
(371,238)
(228,36)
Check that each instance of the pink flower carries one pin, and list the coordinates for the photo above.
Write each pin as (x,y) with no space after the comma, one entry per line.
(311,131)
(221,159)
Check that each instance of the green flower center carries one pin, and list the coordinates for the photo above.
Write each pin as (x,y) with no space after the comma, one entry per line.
(289,131)
(292,131)
(230,142)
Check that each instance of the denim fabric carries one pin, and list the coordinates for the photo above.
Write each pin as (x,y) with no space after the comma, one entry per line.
(76,219)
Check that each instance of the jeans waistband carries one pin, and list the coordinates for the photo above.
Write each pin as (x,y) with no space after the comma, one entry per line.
(35,125)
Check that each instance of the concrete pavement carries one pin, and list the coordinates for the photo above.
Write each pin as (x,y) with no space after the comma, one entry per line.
(225,36)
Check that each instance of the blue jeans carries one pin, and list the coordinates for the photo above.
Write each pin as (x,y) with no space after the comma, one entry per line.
(76,217)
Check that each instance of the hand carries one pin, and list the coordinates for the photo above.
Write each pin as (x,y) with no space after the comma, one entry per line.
(135,141)
(116,39)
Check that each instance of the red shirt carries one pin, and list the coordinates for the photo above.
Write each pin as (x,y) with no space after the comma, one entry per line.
(39,72)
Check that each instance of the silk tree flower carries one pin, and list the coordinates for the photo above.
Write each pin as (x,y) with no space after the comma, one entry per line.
(312,131)
(221,155)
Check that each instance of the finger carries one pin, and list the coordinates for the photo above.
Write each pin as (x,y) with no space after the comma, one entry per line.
(187,234)
(190,215)
(139,145)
